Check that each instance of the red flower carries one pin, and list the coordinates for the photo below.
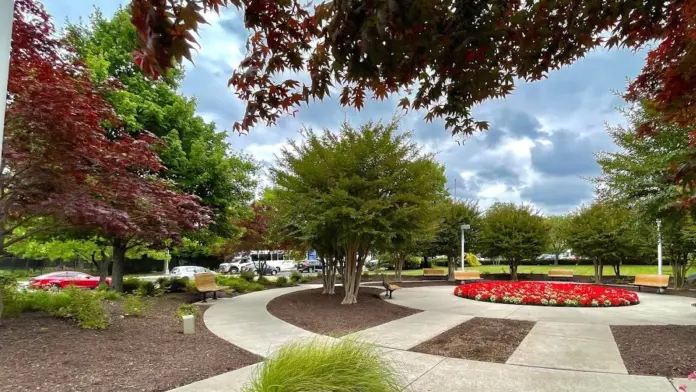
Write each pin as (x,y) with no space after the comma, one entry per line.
(542,293)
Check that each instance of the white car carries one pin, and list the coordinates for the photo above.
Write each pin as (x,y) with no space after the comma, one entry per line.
(282,265)
(235,266)
(188,271)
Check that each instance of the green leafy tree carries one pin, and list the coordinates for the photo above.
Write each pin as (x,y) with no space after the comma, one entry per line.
(197,158)
(641,175)
(558,234)
(513,233)
(604,233)
(356,190)
(449,236)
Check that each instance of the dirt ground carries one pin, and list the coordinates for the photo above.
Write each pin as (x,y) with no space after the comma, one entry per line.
(657,350)
(324,314)
(149,353)
(480,339)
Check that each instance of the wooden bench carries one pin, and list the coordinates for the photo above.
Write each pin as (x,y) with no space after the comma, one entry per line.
(389,287)
(205,283)
(659,281)
(434,273)
(561,274)
(467,275)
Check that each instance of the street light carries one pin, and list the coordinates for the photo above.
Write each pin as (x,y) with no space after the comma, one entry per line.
(464,227)
(659,248)
(6,16)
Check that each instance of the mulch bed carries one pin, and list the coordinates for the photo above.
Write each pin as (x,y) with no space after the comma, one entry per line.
(324,314)
(657,350)
(480,339)
(149,353)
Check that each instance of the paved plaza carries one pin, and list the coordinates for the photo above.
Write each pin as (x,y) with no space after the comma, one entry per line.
(569,349)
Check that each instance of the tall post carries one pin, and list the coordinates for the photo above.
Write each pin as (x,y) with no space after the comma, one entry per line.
(6,16)
(659,248)
(463,227)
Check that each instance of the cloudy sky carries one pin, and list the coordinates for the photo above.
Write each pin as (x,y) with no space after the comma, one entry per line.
(540,146)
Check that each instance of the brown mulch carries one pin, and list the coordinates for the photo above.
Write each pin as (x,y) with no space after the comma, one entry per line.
(480,339)
(324,314)
(149,353)
(657,350)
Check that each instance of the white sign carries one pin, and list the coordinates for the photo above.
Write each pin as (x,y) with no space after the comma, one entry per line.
(466,227)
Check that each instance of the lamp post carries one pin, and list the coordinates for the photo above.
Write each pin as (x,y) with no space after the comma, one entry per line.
(659,248)
(6,16)
(464,227)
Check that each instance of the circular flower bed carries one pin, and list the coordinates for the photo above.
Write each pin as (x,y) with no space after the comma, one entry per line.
(546,294)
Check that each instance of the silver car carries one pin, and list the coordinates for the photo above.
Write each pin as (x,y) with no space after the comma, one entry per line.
(188,271)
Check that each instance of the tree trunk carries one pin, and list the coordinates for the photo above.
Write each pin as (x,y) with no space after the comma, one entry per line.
(398,267)
(555,259)
(424,262)
(351,282)
(329,276)
(513,270)
(119,258)
(598,269)
(450,268)
(617,268)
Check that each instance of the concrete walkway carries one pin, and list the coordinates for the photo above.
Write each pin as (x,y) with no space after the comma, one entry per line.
(569,349)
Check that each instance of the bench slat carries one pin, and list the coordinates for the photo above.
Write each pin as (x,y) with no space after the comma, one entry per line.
(652,280)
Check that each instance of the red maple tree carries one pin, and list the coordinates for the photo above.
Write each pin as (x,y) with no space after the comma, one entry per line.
(66,162)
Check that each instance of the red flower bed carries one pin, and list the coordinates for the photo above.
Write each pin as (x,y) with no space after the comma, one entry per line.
(546,294)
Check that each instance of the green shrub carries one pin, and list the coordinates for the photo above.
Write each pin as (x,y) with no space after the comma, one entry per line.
(108,295)
(281,281)
(35,301)
(130,285)
(11,298)
(134,305)
(247,275)
(242,286)
(319,366)
(366,274)
(305,279)
(102,287)
(191,287)
(81,305)
(264,281)
(186,309)
(295,276)
(178,285)
(145,288)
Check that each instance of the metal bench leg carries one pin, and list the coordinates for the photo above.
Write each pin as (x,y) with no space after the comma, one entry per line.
(205,296)
(390,293)
(214,294)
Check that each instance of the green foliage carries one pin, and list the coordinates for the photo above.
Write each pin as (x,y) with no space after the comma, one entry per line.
(263,280)
(239,285)
(558,234)
(187,309)
(247,275)
(191,286)
(81,305)
(281,281)
(358,190)
(295,276)
(145,288)
(172,285)
(130,285)
(11,302)
(514,233)
(318,366)
(109,295)
(198,159)
(449,236)
(472,260)
(134,305)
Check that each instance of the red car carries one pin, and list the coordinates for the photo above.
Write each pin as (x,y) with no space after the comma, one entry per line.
(64,279)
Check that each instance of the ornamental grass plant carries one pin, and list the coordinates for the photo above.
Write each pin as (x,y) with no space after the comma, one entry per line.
(321,366)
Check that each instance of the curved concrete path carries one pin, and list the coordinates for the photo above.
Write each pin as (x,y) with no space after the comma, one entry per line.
(569,349)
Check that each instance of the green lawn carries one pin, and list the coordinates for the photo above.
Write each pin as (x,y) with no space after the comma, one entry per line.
(626,270)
